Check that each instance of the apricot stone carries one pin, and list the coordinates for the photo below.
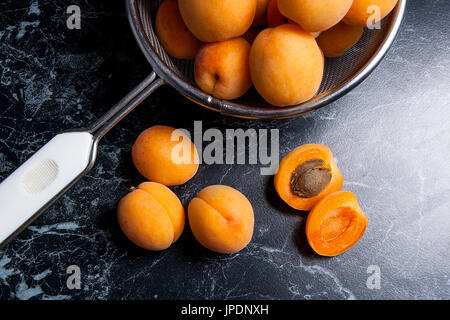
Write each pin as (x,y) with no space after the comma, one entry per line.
(165,155)
(173,34)
(222,68)
(315,15)
(286,65)
(221,219)
(337,40)
(151,216)
(367,12)
(217,20)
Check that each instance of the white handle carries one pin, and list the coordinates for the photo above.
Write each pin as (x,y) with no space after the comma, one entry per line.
(40,179)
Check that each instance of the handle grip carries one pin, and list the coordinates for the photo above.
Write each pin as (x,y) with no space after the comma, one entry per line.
(41,179)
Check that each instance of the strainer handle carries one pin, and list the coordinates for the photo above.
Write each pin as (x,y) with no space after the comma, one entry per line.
(39,181)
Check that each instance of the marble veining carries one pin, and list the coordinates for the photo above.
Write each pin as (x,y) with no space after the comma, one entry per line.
(390,136)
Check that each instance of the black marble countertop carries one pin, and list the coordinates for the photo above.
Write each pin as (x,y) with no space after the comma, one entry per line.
(390,136)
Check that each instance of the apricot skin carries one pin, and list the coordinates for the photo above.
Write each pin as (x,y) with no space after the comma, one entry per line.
(221,219)
(151,216)
(153,156)
(337,40)
(217,20)
(360,13)
(286,65)
(172,33)
(222,68)
(315,15)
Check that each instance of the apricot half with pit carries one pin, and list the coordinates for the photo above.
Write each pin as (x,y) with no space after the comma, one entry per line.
(306,175)
(221,219)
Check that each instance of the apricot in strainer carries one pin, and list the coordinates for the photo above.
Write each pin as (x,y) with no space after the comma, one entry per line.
(173,34)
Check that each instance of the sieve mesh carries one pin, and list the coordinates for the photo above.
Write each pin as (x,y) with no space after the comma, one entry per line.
(338,71)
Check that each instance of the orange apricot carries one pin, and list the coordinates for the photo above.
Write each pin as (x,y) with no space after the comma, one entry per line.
(222,70)
(261,13)
(151,216)
(274,16)
(315,15)
(286,65)
(221,219)
(306,175)
(173,34)
(217,20)
(337,40)
(335,224)
(368,12)
(165,155)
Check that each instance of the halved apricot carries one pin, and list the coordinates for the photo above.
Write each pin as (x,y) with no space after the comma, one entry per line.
(306,175)
(335,224)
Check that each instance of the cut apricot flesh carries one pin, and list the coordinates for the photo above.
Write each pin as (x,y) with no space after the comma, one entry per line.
(335,224)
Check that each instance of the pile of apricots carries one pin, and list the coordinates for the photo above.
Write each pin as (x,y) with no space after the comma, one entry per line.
(221,218)
(278,46)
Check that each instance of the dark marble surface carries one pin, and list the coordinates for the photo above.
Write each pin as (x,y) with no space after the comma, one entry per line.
(390,136)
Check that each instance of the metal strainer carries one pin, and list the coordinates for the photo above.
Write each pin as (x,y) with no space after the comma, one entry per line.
(341,74)
(51,171)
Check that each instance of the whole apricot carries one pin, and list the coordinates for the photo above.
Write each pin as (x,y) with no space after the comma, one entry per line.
(173,34)
(368,12)
(221,219)
(337,40)
(222,68)
(315,15)
(261,13)
(151,216)
(286,65)
(165,155)
(217,20)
